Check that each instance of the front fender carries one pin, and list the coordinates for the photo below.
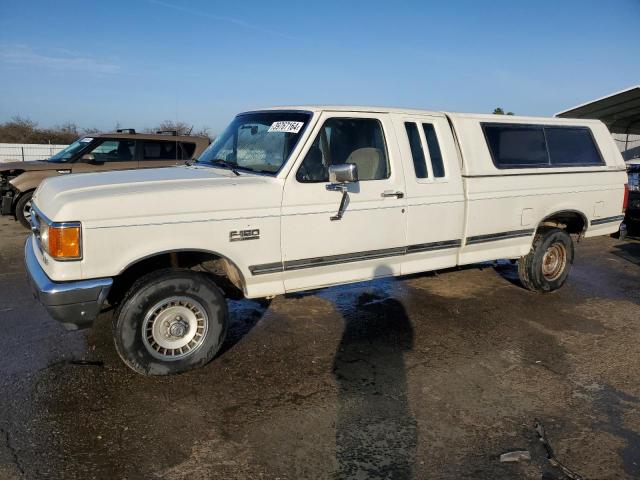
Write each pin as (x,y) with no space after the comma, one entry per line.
(110,251)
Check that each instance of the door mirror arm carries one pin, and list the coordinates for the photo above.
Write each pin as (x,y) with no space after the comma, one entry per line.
(339,187)
(340,176)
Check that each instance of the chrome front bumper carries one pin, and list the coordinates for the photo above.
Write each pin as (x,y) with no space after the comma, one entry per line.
(74,304)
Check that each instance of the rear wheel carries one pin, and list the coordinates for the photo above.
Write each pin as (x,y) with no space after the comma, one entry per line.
(546,267)
(169,322)
(23,209)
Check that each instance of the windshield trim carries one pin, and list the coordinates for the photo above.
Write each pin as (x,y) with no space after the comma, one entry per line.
(76,155)
(275,173)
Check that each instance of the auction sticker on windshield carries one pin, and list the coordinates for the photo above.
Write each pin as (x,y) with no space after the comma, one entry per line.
(86,140)
(286,127)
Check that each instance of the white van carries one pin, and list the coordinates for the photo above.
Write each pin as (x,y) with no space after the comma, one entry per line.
(298,198)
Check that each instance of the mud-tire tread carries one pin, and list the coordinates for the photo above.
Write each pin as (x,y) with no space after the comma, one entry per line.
(529,277)
(150,278)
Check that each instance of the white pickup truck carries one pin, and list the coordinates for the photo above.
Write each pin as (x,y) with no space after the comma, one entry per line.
(299,198)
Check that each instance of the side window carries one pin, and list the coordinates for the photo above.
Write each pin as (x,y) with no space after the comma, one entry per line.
(527,146)
(437,164)
(419,162)
(159,150)
(570,146)
(346,140)
(186,150)
(516,146)
(114,151)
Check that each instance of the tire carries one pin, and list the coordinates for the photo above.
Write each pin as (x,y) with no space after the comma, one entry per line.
(23,205)
(170,321)
(546,267)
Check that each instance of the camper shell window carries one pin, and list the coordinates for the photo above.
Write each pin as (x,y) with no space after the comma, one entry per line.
(539,146)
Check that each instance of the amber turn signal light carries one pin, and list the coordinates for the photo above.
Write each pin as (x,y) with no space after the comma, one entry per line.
(64,242)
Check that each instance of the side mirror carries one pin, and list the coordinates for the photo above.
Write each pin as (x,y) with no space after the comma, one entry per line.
(343,173)
(90,158)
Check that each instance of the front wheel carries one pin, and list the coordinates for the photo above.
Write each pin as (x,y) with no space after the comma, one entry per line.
(23,209)
(169,322)
(546,267)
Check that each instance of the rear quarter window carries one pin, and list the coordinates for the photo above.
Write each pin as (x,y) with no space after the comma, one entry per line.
(419,162)
(187,149)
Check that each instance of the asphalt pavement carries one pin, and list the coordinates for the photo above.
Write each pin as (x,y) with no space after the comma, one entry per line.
(430,376)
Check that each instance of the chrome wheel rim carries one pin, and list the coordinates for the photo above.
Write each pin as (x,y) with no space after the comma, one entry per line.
(174,328)
(26,210)
(554,261)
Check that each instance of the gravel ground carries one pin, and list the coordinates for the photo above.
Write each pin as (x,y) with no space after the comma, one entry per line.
(430,376)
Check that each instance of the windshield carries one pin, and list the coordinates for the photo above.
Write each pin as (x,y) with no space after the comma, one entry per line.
(257,142)
(66,154)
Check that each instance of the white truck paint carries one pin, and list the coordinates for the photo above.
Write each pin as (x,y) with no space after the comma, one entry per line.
(474,212)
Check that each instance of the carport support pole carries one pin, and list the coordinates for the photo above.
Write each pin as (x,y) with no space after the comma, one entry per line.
(22,150)
(626,141)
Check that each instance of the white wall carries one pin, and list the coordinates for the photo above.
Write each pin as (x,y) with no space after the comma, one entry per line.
(10,152)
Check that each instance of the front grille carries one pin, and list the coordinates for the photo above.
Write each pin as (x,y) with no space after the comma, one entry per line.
(36,223)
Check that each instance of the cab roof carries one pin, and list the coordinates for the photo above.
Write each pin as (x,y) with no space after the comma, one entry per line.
(152,136)
(414,111)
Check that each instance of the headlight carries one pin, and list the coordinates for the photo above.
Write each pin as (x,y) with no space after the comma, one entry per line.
(61,240)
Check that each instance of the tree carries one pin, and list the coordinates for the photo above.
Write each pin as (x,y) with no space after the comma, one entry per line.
(25,130)
(18,130)
(180,127)
(500,111)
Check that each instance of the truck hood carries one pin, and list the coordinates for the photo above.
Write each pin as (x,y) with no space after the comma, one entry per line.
(31,166)
(160,195)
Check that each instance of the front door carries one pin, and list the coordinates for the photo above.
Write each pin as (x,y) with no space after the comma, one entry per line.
(109,154)
(369,240)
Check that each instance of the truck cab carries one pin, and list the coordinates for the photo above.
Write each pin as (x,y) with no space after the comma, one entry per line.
(299,198)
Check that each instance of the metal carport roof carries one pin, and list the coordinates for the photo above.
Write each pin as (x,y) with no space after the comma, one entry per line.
(620,111)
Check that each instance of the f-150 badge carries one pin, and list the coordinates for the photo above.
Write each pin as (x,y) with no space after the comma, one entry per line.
(240,235)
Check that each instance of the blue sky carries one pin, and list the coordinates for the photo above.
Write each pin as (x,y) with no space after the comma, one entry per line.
(139,62)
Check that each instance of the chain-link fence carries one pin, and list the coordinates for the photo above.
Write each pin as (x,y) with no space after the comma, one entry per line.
(23,152)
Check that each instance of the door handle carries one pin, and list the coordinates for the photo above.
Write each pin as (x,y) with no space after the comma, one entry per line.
(391,193)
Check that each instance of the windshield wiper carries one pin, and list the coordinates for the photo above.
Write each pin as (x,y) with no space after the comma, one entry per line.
(224,163)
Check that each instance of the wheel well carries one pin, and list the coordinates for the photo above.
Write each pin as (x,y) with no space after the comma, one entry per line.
(570,220)
(226,274)
(19,195)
